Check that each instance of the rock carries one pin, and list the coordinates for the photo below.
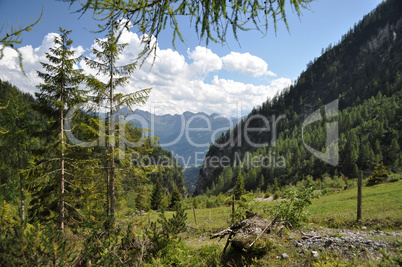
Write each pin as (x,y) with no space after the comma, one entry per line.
(285,256)
(327,243)
(364,228)
(314,254)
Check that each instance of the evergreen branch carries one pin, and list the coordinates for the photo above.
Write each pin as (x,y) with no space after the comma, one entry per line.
(12,37)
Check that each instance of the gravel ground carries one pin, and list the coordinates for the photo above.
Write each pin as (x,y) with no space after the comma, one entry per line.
(348,243)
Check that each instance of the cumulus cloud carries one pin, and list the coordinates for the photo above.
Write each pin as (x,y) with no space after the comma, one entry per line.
(247,64)
(178,84)
(204,60)
(10,69)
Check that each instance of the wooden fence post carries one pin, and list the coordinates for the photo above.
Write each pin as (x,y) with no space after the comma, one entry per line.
(233,208)
(195,216)
(359,196)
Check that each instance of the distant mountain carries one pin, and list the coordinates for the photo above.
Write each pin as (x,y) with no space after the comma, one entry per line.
(188,136)
(361,77)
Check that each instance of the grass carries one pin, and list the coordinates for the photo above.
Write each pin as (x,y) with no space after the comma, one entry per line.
(381,207)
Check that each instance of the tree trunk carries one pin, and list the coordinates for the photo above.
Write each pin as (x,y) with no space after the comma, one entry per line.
(61,207)
(112,144)
(107,180)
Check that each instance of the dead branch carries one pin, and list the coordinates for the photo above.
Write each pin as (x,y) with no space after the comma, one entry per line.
(268,226)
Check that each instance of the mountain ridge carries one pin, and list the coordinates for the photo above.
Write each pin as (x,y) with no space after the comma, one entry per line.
(187,135)
(366,63)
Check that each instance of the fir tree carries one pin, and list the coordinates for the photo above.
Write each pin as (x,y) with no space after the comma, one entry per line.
(275,187)
(394,151)
(58,93)
(239,188)
(157,195)
(175,199)
(379,175)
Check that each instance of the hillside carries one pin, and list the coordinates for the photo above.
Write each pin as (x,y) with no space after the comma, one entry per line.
(362,72)
(23,133)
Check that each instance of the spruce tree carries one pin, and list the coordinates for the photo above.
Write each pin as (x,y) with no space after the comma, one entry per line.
(58,92)
(379,175)
(157,195)
(394,151)
(175,199)
(239,188)
(261,182)
(275,187)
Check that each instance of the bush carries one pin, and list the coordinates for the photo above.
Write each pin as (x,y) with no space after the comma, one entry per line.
(292,211)
(394,178)
(36,245)
(379,175)
(210,204)
(276,195)
(244,206)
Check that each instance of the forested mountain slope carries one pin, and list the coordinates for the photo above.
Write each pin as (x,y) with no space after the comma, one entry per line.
(362,72)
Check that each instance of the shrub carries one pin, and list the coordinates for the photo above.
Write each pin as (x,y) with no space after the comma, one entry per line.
(394,178)
(379,175)
(36,245)
(245,205)
(292,211)
(210,204)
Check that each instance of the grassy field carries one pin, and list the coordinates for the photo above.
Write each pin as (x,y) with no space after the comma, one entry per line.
(381,209)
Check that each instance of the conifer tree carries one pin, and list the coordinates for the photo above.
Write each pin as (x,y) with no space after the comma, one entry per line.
(175,199)
(275,187)
(157,195)
(379,175)
(239,188)
(106,94)
(16,144)
(394,151)
(58,92)
(261,182)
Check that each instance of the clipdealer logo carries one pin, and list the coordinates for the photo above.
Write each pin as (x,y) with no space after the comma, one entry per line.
(329,111)
(331,154)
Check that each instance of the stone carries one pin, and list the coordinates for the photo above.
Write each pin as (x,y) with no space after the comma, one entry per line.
(285,256)
(314,254)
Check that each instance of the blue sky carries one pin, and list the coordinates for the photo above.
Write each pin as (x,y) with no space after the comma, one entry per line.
(216,78)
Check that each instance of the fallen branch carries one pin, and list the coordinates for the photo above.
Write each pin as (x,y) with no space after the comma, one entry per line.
(228,241)
(268,226)
(222,233)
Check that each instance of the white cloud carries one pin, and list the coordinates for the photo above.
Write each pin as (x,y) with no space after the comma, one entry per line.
(247,64)
(10,69)
(177,85)
(205,61)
